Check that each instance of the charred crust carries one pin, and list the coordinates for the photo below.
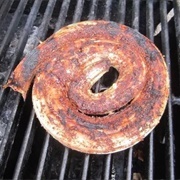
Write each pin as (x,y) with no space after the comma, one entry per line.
(112,28)
(30,63)
(90,126)
(62,117)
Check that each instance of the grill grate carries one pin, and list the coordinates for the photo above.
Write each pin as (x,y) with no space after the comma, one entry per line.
(26,150)
(165,50)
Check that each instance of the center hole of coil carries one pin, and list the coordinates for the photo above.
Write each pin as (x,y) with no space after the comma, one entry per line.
(106,81)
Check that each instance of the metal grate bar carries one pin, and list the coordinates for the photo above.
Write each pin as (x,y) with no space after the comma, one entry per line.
(107,10)
(62,15)
(135,25)
(85,166)
(151,156)
(149,20)
(64,163)
(177,25)
(43,157)
(45,22)
(165,49)
(5,146)
(93,10)
(129,165)
(107,167)
(150,35)
(135,14)
(78,11)
(122,11)
(4,10)
(117,165)
(27,28)
(24,148)
(12,27)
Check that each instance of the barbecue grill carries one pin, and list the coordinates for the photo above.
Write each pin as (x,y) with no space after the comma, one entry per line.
(26,150)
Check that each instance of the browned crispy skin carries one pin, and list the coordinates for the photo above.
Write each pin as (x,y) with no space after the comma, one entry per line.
(65,67)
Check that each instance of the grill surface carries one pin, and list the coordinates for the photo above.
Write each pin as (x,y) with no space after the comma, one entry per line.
(26,150)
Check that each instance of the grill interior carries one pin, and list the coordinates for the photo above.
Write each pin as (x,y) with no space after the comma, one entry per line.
(26,150)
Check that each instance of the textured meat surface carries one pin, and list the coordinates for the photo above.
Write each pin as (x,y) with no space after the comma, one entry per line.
(66,66)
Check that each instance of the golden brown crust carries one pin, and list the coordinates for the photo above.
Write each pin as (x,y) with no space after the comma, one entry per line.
(67,65)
